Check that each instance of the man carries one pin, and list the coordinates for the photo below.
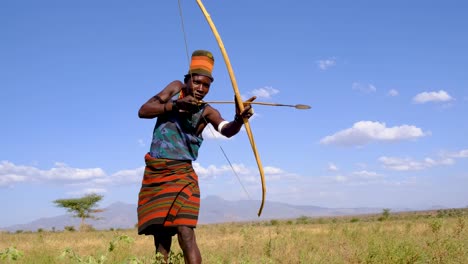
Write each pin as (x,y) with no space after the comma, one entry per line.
(169,198)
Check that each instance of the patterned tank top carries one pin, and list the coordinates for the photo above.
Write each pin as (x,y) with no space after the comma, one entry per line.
(174,136)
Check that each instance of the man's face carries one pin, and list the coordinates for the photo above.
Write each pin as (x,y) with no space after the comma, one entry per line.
(198,86)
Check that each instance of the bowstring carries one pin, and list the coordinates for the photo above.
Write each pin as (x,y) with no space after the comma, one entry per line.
(185,36)
(210,128)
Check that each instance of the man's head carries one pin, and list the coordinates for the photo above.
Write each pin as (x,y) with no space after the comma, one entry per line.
(201,64)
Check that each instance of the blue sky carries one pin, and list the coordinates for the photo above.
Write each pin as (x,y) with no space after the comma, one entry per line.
(387,82)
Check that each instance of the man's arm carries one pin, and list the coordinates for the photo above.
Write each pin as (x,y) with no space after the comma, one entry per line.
(160,103)
(226,128)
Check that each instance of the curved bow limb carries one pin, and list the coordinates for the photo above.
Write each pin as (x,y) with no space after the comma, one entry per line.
(238,99)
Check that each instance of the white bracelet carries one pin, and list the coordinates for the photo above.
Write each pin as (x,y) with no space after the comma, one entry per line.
(221,125)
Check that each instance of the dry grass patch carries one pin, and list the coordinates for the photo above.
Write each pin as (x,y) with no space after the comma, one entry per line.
(409,238)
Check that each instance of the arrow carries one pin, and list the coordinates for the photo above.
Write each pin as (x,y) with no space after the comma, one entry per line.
(297,106)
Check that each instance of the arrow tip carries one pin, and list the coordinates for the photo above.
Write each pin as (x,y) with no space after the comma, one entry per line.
(302,106)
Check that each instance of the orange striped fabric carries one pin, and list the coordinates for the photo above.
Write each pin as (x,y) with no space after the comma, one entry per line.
(201,63)
(169,195)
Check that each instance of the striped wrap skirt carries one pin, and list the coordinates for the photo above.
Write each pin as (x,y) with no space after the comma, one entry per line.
(169,195)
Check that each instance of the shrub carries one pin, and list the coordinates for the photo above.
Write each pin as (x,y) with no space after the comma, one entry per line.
(302,220)
(11,253)
(274,222)
(70,228)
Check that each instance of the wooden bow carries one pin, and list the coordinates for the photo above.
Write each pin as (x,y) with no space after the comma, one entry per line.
(238,99)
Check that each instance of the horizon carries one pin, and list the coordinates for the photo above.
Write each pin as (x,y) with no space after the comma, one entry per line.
(244,217)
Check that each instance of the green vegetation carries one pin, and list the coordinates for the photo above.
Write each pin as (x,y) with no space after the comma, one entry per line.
(83,207)
(411,237)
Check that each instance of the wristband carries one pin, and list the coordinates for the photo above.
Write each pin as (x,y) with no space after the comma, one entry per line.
(221,125)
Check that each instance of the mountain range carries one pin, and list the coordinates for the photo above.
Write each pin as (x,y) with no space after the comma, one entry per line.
(213,210)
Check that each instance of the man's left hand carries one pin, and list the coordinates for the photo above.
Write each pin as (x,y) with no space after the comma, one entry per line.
(248,110)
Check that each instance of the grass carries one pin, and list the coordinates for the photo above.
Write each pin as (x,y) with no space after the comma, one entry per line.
(416,237)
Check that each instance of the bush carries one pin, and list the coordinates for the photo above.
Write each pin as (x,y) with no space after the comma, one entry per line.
(274,222)
(87,228)
(302,220)
(11,253)
(70,228)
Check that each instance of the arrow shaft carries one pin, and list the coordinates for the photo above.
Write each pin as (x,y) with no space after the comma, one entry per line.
(257,103)
(298,106)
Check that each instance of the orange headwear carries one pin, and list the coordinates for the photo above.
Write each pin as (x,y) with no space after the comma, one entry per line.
(202,63)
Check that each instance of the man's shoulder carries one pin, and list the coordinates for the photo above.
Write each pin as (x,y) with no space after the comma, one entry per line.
(174,86)
(177,82)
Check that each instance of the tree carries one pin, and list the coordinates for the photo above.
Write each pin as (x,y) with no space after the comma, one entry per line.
(83,207)
(386,213)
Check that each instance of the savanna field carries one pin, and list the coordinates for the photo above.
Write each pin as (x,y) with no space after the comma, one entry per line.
(415,237)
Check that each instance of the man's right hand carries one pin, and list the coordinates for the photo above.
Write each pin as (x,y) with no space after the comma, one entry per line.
(188,103)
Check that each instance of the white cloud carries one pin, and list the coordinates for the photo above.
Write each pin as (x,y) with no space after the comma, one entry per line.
(8,179)
(126,176)
(325,64)
(425,97)
(407,164)
(364,174)
(212,172)
(364,132)
(62,171)
(340,178)
(357,178)
(246,174)
(10,173)
(364,88)
(265,92)
(88,191)
(332,167)
(460,154)
(392,92)
(272,170)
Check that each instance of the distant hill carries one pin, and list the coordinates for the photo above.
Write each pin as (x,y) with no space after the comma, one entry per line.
(213,210)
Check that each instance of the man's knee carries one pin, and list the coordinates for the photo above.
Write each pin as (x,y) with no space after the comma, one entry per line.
(186,234)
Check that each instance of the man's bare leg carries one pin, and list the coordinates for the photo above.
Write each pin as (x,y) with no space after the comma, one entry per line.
(162,243)
(188,244)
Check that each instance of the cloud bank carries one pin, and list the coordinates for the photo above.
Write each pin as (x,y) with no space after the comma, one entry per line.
(364,132)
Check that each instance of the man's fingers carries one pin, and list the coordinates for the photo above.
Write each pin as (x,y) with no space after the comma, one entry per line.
(248,111)
(251,99)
